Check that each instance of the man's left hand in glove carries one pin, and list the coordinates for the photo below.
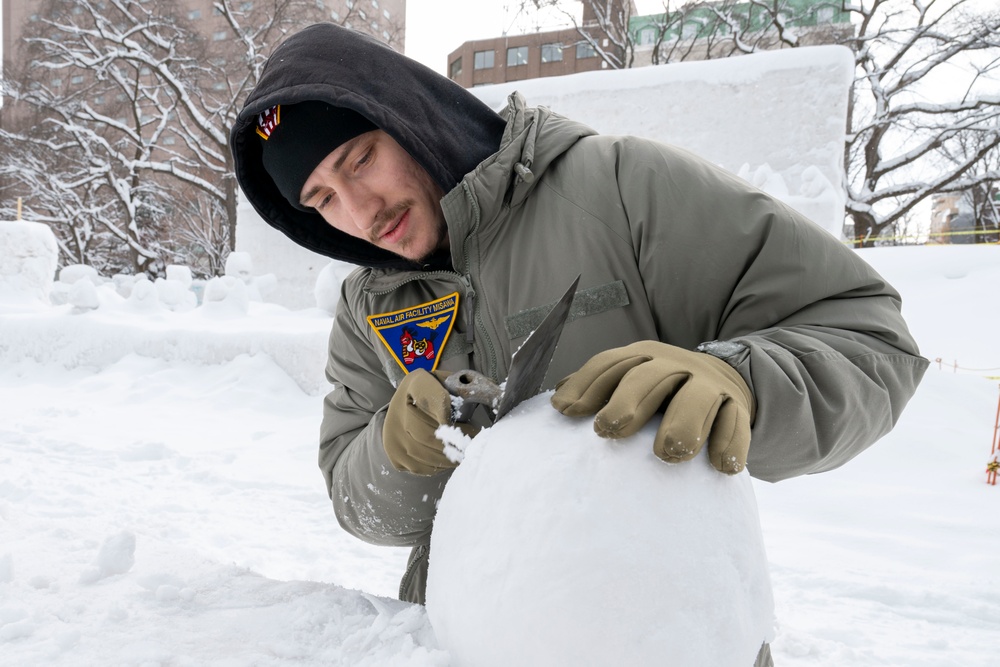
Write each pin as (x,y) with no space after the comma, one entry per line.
(704,400)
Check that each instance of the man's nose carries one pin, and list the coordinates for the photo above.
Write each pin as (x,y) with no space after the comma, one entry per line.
(362,205)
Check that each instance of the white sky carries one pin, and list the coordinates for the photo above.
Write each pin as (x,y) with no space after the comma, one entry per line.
(435,28)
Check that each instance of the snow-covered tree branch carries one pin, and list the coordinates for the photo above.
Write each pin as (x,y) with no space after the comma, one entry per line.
(138,96)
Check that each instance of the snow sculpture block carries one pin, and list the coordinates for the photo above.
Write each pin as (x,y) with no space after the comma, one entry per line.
(552,546)
(28,260)
(294,268)
(784,109)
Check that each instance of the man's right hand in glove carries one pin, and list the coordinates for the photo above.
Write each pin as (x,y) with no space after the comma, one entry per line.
(704,400)
(420,405)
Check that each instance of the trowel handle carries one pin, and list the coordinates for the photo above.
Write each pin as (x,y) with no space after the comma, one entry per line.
(473,388)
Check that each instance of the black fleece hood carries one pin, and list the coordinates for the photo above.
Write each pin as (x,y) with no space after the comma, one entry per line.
(445,128)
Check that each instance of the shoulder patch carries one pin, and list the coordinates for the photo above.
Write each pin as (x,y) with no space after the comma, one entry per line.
(416,336)
(267,121)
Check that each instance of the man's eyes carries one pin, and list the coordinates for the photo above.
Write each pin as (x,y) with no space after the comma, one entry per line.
(365,157)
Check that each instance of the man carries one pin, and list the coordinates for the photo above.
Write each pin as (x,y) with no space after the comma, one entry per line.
(747,326)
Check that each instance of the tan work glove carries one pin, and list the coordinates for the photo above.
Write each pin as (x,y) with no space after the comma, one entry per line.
(704,397)
(419,406)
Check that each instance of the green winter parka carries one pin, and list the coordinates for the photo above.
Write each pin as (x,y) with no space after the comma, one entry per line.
(670,248)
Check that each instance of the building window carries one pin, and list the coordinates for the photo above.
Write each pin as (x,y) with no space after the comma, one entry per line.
(194,14)
(551,53)
(483,60)
(169,140)
(824,15)
(517,55)
(585,50)
(99,100)
(56,83)
(647,36)
(219,35)
(77,78)
(456,68)
(689,31)
(246,6)
(320,4)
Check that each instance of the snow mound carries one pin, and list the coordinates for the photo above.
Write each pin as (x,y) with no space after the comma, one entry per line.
(28,260)
(558,547)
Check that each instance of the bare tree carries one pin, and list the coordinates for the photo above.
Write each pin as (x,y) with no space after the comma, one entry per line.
(900,147)
(900,144)
(118,123)
(604,26)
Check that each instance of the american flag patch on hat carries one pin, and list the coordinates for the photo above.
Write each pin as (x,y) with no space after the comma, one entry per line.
(267,121)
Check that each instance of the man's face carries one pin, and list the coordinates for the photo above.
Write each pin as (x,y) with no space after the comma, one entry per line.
(372,189)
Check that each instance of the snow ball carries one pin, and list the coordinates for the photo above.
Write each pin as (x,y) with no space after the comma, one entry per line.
(239,265)
(226,296)
(264,285)
(117,556)
(144,297)
(175,295)
(328,282)
(74,273)
(83,296)
(554,546)
(123,283)
(180,273)
(28,260)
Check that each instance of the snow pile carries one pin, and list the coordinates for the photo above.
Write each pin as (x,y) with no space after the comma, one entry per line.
(28,260)
(780,111)
(239,265)
(554,546)
(209,460)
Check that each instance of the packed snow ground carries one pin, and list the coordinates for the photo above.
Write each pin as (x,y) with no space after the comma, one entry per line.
(164,510)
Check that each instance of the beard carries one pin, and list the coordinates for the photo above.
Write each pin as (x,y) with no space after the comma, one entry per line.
(386,218)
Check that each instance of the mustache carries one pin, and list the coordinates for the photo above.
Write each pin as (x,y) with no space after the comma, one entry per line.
(385,218)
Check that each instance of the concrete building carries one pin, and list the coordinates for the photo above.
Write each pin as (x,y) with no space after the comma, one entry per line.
(654,38)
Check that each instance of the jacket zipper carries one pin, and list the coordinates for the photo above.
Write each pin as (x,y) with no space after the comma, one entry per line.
(404,583)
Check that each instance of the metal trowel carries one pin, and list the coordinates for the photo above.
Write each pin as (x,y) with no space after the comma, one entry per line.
(527,368)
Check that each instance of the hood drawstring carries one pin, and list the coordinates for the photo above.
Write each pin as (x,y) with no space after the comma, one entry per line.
(522,119)
(524,172)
